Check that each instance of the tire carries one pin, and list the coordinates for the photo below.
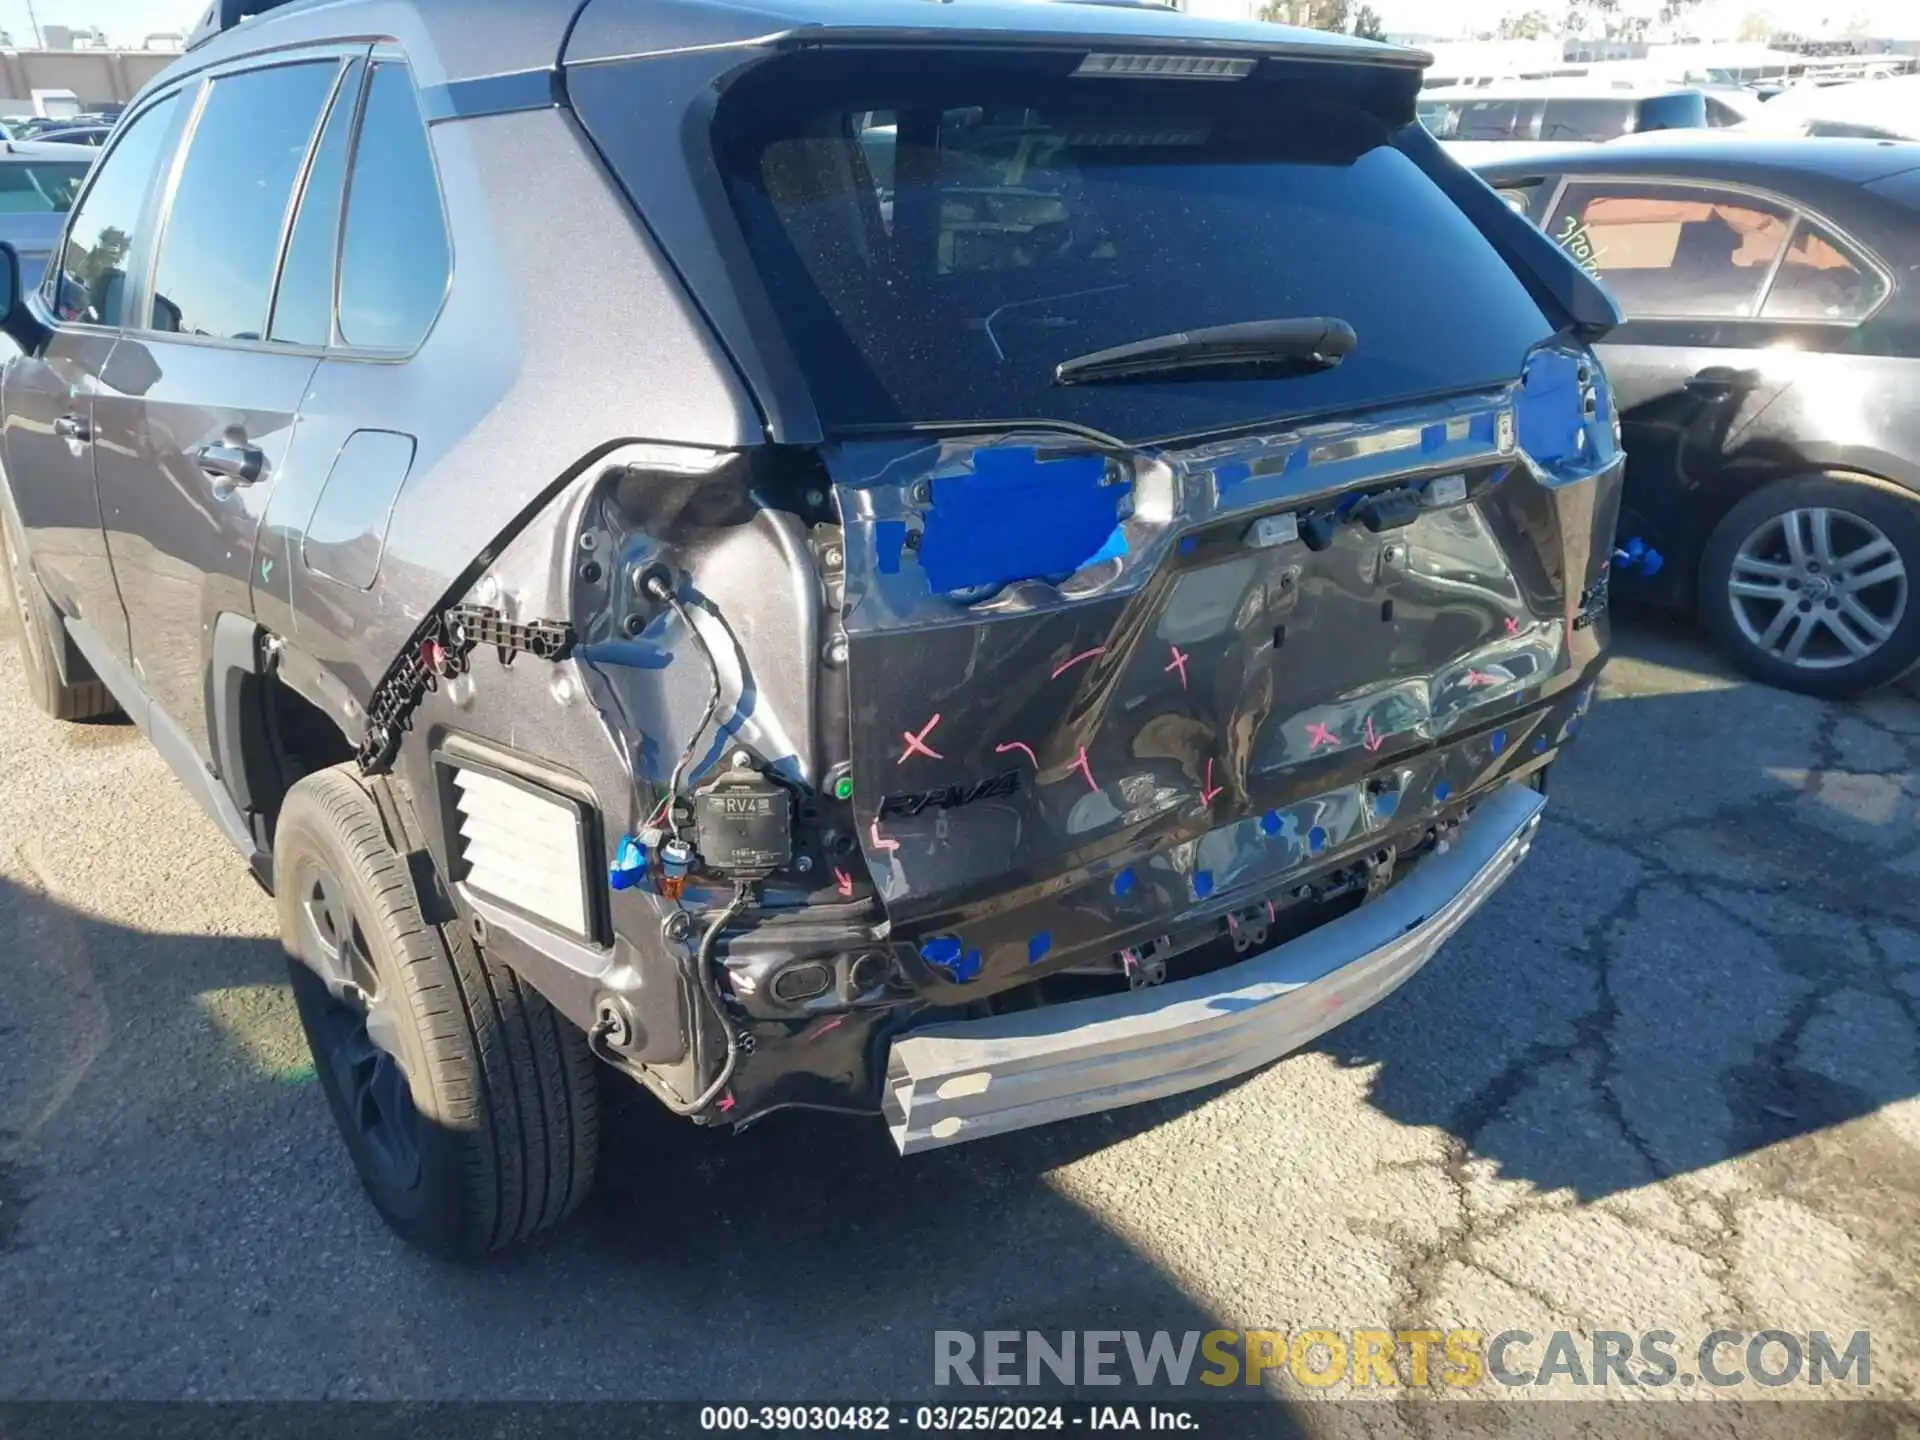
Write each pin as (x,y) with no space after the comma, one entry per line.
(1810,540)
(82,700)
(467,1103)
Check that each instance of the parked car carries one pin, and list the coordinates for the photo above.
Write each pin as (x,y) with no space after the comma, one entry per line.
(851,657)
(1883,109)
(1487,122)
(38,182)
(1764,376)
(91,135)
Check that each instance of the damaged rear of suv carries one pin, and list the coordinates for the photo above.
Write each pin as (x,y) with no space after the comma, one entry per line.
(974,563)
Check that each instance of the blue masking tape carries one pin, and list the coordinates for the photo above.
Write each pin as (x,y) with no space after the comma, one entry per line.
(1019,518)
(889,538)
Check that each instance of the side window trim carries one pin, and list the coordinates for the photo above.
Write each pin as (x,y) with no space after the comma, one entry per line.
(358,78)
(1796,219)
(150,207)
(1796,213)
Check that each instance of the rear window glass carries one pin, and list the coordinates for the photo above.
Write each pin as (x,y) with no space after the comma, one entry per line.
(937,241)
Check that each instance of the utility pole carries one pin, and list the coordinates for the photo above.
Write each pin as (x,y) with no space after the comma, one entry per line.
(34,21)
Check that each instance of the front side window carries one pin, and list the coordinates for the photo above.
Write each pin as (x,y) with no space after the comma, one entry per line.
(395,258)
(1671,250)
(88,286)
(936,243)
(215,270)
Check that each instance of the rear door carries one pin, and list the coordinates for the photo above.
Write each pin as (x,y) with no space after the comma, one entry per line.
(197,405)
(1714,283)
(50,396)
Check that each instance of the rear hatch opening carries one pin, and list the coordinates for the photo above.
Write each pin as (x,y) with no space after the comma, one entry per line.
(1123,628)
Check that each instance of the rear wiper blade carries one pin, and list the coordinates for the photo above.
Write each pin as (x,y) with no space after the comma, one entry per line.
(1298,346)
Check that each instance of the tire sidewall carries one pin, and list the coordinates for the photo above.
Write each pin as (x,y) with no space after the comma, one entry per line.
(1897,515)
(427,1212)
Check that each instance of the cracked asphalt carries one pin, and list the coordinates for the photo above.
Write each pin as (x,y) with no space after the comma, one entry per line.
(1668,1079)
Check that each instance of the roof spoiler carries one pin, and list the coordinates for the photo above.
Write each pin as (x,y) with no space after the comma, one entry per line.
(223,15)
(1572,298)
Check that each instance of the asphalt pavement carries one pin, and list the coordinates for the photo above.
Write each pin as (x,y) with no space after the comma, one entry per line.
(1668,1079)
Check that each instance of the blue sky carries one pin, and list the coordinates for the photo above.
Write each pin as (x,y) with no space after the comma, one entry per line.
(126,21)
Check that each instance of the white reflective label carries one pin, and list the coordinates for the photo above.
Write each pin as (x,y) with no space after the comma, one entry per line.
(1447,490)
(1271,530)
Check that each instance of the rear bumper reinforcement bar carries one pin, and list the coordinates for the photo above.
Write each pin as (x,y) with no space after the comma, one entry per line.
(962,1081)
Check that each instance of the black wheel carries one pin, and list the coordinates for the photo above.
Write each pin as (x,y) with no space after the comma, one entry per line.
(82,700)
(1808,584)
(467,1103)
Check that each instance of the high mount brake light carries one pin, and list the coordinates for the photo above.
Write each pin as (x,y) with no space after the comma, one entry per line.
(1165,67)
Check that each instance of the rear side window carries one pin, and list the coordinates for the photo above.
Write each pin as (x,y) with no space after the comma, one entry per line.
(214,275)
(1483,119)
(1672,250)
(1586,119)
(1821,280)
(937,239)
(394,256)
(89,284)
(1686,111)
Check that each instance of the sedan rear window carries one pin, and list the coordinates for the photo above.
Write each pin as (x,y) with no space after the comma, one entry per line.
(40,187)
(937,239)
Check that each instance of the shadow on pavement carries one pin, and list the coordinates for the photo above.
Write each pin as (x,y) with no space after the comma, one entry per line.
(1713,947)
(1710,949)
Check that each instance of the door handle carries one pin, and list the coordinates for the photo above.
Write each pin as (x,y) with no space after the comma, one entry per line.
(240,464)
(73,427)
(1722,380)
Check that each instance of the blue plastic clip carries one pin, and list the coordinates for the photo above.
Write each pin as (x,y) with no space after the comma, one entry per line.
(629,867)
(1638,556)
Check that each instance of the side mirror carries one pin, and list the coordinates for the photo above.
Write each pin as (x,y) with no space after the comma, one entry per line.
(17,319)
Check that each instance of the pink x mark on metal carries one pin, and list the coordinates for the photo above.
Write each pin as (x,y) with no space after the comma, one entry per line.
(1513,626)
(882,842)
(1179,663)
(1318,735)
(1085,769)
(1477,678)
(1373,742)
(919,742)
(1209,790)
(843,882)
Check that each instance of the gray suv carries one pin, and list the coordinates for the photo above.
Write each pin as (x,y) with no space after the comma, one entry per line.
(973,563)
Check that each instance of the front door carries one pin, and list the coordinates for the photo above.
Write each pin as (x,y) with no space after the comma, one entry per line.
(50,415)
(197,406)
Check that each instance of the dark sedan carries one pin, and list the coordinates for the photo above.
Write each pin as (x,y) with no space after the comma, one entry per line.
(1766,377)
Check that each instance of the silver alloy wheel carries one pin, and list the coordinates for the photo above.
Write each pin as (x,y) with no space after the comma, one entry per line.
(1818,588)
